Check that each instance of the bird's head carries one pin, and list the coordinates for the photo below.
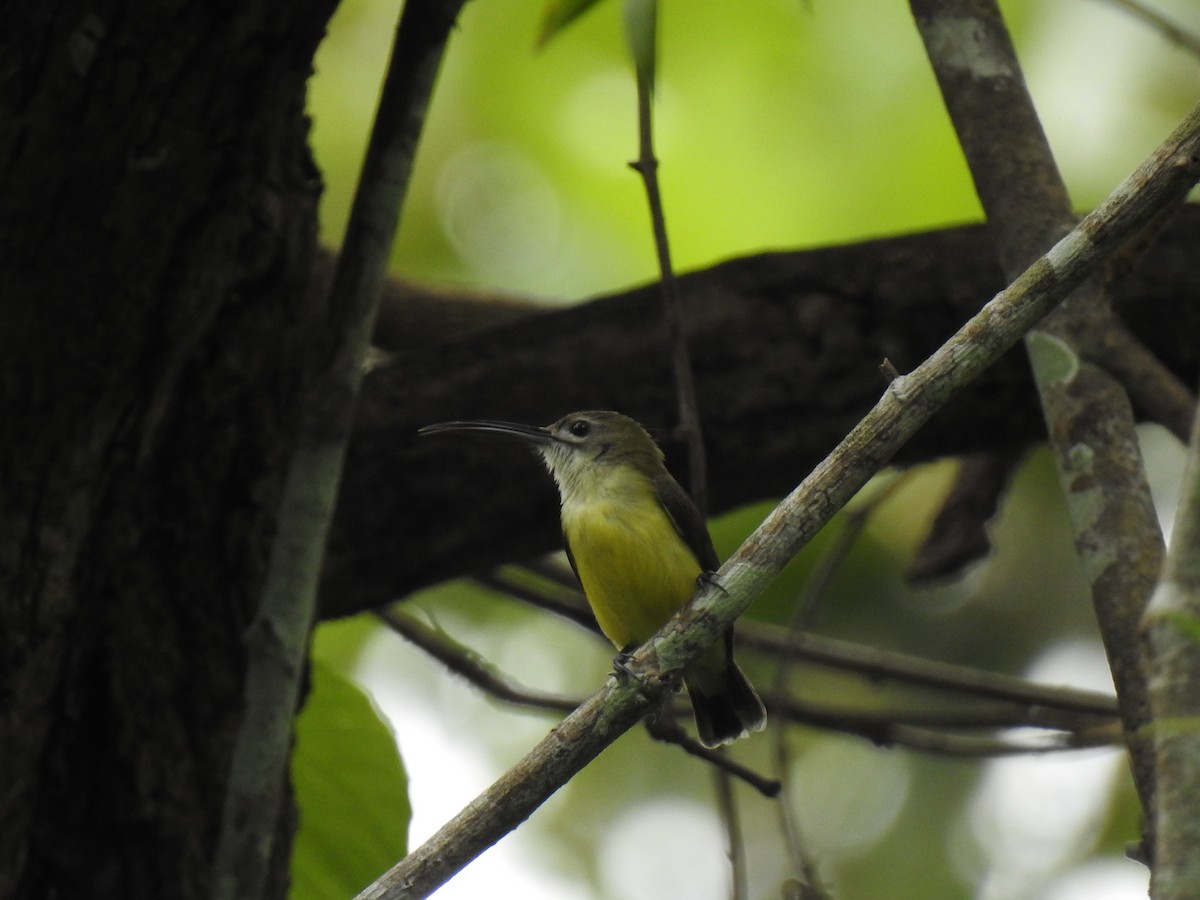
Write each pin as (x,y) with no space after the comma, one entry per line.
(581,449)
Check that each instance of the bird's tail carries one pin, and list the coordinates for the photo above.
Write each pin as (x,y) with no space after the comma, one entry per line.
(723,700)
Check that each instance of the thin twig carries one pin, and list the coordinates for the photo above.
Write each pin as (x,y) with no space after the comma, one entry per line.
(914,729)
(958,535)
(887,665)
(1168,28)
(956,745)
(804,867)
(1152,386)
(907,404)
(277,639)
(690,428)
(815,588)
(869,662)
(575,610)
(464,661)
(877,725)
(734,838)
(666,728)
(920,729)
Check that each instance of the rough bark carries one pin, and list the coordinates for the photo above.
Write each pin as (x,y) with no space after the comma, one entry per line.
(156,236)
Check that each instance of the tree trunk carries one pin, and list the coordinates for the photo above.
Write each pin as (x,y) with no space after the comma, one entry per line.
(156,235)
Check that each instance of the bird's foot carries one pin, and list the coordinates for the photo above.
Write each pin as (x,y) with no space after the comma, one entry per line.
(709,579)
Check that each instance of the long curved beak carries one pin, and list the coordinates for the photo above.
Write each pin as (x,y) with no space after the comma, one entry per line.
(530,433)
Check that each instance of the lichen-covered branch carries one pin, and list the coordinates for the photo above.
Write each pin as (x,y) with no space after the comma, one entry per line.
(1088,413)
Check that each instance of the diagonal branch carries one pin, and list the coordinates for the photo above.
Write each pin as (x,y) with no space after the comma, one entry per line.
(907,404)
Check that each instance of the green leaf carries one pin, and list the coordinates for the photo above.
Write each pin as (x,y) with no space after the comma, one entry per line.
(641,33)
(351,790)
(558,14)
(1053,358)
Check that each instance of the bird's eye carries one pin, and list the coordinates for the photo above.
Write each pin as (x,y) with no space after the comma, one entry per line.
(580,428)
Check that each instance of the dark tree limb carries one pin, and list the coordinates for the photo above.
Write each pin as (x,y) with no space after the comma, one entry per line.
(785,346)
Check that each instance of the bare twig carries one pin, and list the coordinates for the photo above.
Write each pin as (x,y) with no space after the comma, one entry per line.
(804,867)
(958,535)
(646,165)
(1008,702)
(869,662)
(1060,709)
(906,405)
(817,586)
(464,661)
(802,610)
(727,804)
(1152,387)
(891,726)
(574,610)
(668,730)
(940,744)
(1169,29)
(885,665)
(277,639)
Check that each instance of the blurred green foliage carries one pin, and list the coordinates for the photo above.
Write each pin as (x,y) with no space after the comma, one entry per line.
(779,124)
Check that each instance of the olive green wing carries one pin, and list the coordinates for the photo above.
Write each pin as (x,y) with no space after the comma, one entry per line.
(687,521)
(571,557)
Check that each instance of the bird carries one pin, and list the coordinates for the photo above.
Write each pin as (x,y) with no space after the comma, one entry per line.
(638,546)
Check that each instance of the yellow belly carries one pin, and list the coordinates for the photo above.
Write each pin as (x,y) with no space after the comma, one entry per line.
(635,569)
